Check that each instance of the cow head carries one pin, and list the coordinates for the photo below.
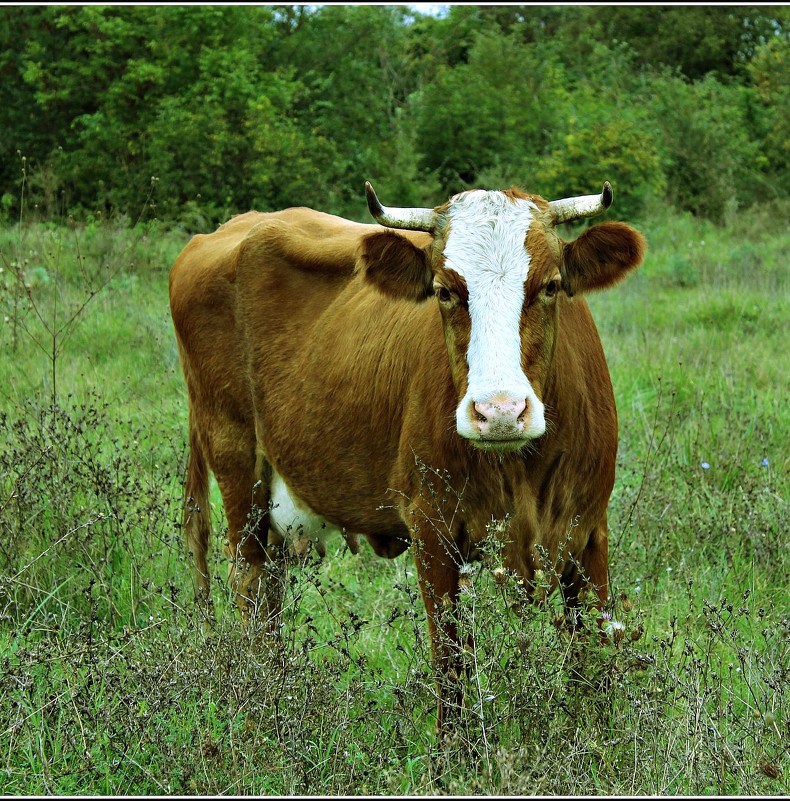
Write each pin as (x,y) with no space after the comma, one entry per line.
(497,269)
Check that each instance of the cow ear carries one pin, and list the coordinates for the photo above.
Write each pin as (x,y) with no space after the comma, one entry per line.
(396,266)
(601,256)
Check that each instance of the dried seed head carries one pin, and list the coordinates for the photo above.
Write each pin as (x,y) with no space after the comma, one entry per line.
(500,575)
(465,577)
(770,770)
(614,630)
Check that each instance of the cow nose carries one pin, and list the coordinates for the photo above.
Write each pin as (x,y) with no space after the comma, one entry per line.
(500,418)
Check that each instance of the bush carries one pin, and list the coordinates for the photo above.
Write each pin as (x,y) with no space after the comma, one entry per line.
(85,500)
(708,155)
(771,105)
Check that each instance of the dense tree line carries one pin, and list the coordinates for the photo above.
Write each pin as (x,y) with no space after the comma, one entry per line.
(210,110)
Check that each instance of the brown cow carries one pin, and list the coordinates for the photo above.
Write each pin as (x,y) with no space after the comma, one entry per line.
(353,378)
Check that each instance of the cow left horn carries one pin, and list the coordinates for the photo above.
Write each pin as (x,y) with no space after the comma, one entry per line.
(412,219)
(577,208)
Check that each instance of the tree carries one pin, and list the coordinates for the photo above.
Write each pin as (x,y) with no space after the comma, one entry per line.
(238,107)
(496,113)
(770,73)
(695,40)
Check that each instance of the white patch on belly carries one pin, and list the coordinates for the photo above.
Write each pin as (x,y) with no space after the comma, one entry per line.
(291,518)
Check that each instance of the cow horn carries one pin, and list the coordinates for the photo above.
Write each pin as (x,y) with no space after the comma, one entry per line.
(412,219)
(577,208)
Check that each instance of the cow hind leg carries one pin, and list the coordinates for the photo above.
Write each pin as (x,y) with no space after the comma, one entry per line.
(256,554)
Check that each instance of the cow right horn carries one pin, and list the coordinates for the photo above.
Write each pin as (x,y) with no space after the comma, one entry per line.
(392,217)
(577,208)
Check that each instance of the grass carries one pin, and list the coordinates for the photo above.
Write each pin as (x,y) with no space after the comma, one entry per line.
(109,685)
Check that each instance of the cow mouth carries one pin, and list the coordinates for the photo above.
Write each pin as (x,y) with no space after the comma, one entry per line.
(503,445)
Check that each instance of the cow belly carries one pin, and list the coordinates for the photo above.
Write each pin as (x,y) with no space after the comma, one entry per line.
(293,520)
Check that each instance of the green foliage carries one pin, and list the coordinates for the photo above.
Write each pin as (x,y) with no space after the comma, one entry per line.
(711,163)
(494,112)
(193,113)
(769,71)
(696,42)
(604,133)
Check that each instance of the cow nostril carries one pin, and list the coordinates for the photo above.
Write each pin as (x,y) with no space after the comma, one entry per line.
(523,413)
(478,413)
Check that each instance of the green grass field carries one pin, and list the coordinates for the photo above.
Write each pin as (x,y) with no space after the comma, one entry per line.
(109,685)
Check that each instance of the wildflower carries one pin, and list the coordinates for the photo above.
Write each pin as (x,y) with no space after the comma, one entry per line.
(613,628)
(764,462)
(705,466)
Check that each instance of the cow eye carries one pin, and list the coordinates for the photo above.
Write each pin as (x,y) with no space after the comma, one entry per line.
(552,288)
(444,294)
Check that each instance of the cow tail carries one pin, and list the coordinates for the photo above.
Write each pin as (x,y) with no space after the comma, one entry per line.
(197,520)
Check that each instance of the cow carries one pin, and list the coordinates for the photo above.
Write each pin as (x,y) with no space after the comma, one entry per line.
(356,378)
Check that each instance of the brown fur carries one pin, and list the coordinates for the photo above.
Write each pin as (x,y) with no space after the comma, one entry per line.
(295,360)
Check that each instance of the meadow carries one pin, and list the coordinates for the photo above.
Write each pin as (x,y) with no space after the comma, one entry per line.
(110,685)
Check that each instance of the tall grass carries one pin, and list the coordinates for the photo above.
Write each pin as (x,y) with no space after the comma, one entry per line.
(109,685)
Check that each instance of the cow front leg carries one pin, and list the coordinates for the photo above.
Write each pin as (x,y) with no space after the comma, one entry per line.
(246,551)
(590,571)
(438,574)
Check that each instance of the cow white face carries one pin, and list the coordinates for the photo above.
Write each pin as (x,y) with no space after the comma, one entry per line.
(498,272)
(486,251)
